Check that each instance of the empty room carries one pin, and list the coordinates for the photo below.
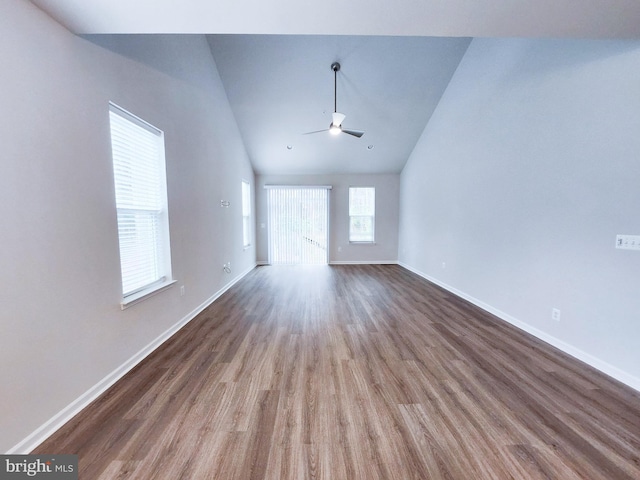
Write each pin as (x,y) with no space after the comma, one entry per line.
(322,240)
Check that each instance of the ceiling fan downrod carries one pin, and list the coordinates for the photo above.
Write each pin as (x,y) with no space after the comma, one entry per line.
(335,66)
(335,127)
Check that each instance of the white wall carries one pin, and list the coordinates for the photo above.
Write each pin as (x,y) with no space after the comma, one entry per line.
(519,184)
(62,330)
(385,249)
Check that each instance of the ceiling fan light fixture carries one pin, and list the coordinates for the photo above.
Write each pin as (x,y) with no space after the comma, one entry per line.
(336,117)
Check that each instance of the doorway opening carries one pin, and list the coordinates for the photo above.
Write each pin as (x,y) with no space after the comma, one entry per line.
(298,225)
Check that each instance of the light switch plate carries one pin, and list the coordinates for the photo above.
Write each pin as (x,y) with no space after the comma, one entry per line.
(628,242)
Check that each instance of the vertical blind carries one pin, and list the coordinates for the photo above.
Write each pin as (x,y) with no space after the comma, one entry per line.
(362,214)
(138,165)
(246,214)
(298,225)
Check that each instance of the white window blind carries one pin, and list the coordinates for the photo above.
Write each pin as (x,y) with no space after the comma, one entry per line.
(362,214)
(141,202)
(246,214)
(298,225)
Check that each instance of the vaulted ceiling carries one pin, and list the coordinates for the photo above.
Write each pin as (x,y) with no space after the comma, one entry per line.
(281,87)
(397,58)
(443,18)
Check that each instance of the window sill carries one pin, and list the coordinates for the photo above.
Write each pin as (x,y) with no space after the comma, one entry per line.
(136,298)
(361,243)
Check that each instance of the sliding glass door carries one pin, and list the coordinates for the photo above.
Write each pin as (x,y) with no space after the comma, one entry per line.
(298,225)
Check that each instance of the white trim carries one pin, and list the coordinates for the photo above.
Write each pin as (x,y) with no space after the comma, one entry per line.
(567,348)
(326,187)
(63,416)
(142,295)
(346,262)
(364,262)
(134,118)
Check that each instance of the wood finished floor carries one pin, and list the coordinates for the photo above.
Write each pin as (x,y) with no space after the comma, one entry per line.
(354,372)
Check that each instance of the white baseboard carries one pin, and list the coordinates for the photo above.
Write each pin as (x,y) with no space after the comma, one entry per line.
(364,262)
(567,348)
(57,421)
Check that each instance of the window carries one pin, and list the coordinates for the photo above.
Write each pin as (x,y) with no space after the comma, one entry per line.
(362,214)
(246,214)
(141,204)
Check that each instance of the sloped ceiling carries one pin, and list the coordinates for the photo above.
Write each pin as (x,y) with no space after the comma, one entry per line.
(450,18)
(397,58)
(281,87)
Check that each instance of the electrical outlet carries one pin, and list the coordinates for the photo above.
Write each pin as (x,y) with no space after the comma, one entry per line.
(555,314)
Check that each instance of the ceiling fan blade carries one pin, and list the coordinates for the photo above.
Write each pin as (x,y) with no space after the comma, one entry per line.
(316,131)
(355,133)
(338,118)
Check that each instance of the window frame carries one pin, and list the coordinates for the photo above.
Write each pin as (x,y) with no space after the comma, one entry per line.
(153,215)
(352,207)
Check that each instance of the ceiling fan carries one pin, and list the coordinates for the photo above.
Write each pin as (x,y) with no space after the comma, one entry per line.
(337,118)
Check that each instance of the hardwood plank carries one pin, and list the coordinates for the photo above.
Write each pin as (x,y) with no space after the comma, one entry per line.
(355,372)
(257,454)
